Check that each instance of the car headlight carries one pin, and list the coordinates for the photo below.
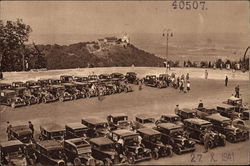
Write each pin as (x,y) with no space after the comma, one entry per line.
(112,157)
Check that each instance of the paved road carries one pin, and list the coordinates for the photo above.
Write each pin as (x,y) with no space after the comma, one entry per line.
(149,101)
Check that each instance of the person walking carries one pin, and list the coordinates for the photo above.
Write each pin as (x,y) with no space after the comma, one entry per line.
(187,77)
(181,86)
(226,81)
(188,86)
(206,74)
(206,138)
(237,91)
(176,110)
(9,126)
(31,126)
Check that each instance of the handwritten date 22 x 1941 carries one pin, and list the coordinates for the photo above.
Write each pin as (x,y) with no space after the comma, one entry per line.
(189,4)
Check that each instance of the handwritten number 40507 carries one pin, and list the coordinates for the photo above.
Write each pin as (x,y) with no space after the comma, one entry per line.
(189,4)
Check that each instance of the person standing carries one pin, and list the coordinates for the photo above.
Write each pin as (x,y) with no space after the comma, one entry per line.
(188,86)
(206,74)
(206,140)
(176,110)
(237,91)
(187,76)
(181,86)
(226,81)
(200,105)
(9,126)
(31,126)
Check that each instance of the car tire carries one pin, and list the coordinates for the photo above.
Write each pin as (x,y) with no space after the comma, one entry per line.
(155,155)
(170,152)
(178,151)
(77,162)
(126,90)
(61,99)
(13,105)
(211,144)
(131,159)
(158,86)
(44,100)
(88,95)
(28,102)
(223,143)
(107,162)
(231,138)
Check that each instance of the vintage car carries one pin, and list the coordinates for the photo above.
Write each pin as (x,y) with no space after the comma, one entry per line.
(153,81)
(75,130)
(4,86)
(54,82)
(13,153)
(52,131)
(22,133)
(238,123)
(186,113)
(205,111)
(80,79)
(196,129)
(104,149)
(49,152)
(152,139)
(228,111)
(175,136)
(131,78)
(18,84)
(118,121)
(117,77)
(92,77)
(224,126)
(104,77)
(66,78)
(125,87)
(245,115)
(78,152)
(10,98)
(47,96)
(31,83)
(60,93)
(43,82)
(96,127)
(237,102)
(37,92)
(144,120)
(72,90)
(29,98)
(132,148)
(170,118)
(165,78)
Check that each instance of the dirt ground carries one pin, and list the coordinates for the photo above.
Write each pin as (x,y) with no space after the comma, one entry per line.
(150,101)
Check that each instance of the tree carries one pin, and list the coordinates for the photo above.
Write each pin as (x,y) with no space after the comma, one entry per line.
(13,35)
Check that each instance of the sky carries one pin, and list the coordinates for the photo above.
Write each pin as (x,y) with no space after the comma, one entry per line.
(109,17)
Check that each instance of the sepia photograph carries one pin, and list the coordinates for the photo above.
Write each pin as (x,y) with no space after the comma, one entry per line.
(124,82)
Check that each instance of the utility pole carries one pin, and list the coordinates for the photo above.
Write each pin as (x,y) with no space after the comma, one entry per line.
(168,33)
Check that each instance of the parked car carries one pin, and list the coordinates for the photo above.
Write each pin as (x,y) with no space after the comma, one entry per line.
(22,133)
(52,131)
(238,123)
(29,97)
(228,111)
(245,115)
(37,92)
(197,127)
(92,77)
(165,78)
(49,152)
(152,139)
(205,111)
(13,153)
(96,127)
(60,93)
(4,86)
(66,78)
(170,118)
(153,81)
(131,78)
(9,98)
(18,84)
(31,83)
(80,79)
(131,148)
(224,125)
(144,120)
(78,152)
(118,121)
(175,136)
(54,82)
(104,77)
(186,113)
(48,95)
(83,87)
(104,149)
(43,82)
(75,130)
(117,77)
(237,102)
(72,90)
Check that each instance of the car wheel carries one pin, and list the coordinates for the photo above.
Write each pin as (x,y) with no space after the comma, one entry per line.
(107,162)
(126,90)
(158,86)
(61,99)
(88,95)
(13,105)
(178,150)
(44,100)
(28,102)
(170,152)
(223,143)
(231,138)
(77,162)
(91,162)
(210,144)
(131,159)
(155,155)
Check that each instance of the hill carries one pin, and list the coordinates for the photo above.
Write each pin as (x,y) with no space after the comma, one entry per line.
(91,54)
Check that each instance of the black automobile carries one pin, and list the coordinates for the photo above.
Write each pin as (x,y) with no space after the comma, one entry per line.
(170,118)
(52,131)
(153,81)
(17,84)
(144,120)
(21,132)
(131,78)
(49,152)
(117,77)
(228,111)
(31,83)
(43,82)
(152,139)
(118,121)
(29,97)
(131,147)
(96,127)
(66,78)
(175,136)
(104,77)
(75,130)
(80,79)
(224,125)
(4,86)
(48,95)
(196,129)
(36,91)
(202,112)
(78,152)
(165,78)
(72,90)
(54,82)
(104,149)
(186,113)
(60,93)
(10,98)
(92,77)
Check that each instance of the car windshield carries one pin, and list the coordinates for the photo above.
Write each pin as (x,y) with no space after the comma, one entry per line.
(131,140)
(174,119)
(225,123)
(119,118)
(155,138)
(176,132)
(208,127)
(108,147)
(100,126)
(149,120)
(55,154)
(13,150)
(58,133)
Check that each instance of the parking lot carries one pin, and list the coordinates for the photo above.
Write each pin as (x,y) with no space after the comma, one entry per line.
(150,101)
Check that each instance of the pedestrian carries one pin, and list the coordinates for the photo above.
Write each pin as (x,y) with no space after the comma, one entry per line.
(9,126)
(181,86)
(31,126)
(140,85)
(226,81)
(206,74)
(178,82)
(187,76)
(200,105)
(176,110)
(188,86)
(206,138)
(237,91)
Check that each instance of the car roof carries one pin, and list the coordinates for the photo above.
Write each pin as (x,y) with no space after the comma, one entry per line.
(76,125)
(81,83)
(20,128)
(18,82)
(148,131)
(101,141)
(150,75)
(50,144)
(131,73)
(169,126)
(11,143)
(188,110)
(94,120)
(31,81)
(217,117)
(234,98)
(75,140)
(4,84)
(118,114)
(52,127)
(170,115)
(8,91)
(197,121)
(56,86)
(144,116)
(68,84)
(66,76)
(225,105)
(117,73)
(124,132)
(163,75)
(35,86)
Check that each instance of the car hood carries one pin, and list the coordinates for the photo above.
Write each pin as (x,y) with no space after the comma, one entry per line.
(149,125)
(18,160)
(111,153)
